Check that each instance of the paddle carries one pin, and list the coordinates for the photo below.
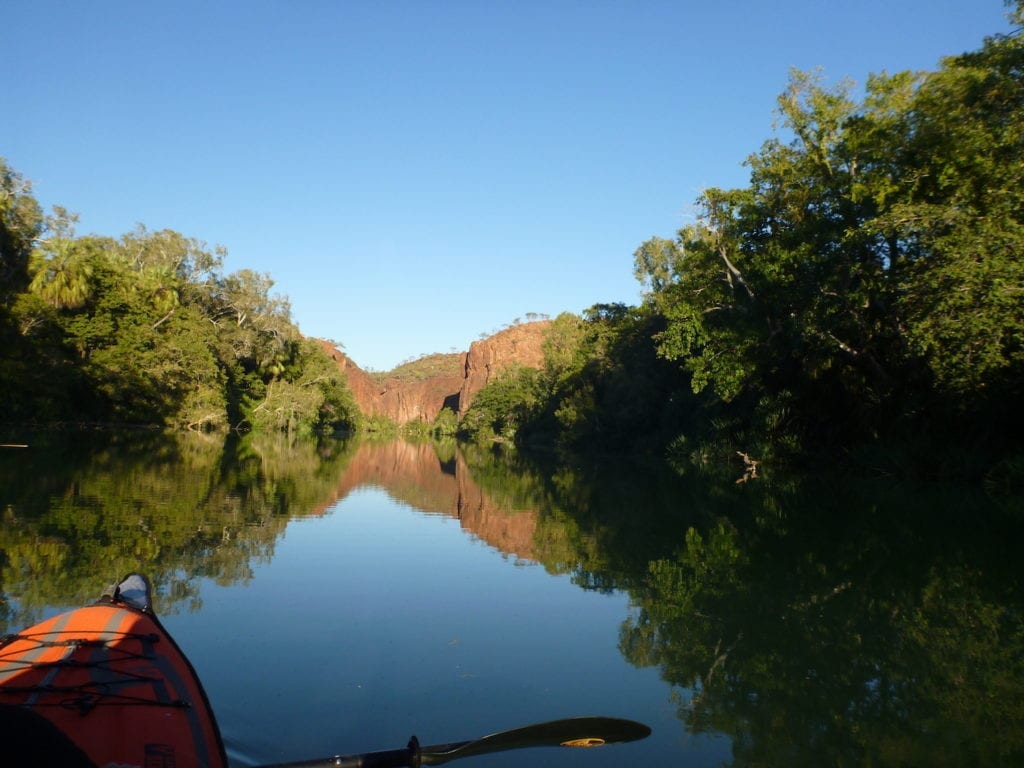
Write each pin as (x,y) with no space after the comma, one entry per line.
(573,732)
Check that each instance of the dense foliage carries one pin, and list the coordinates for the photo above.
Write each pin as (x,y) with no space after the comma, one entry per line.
(146,329)
(866,287)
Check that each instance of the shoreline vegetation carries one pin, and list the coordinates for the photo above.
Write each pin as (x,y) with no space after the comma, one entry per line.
(859,302)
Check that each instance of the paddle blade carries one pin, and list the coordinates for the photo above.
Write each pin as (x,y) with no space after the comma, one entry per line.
(574,732)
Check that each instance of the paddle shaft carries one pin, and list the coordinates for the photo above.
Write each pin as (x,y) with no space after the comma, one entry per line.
(390,758)
(574,732)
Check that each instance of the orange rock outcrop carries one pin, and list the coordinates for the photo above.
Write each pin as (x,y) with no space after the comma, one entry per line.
(406,401)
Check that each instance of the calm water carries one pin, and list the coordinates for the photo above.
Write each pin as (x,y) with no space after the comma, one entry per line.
(337,597)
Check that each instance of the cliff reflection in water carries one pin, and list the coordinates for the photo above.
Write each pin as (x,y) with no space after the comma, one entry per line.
(436,479)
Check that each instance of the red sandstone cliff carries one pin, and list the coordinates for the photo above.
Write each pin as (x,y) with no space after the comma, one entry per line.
(398,400)
(517,345)
(404,401)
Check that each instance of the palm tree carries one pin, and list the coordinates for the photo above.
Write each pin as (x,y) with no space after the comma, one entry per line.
(61,274)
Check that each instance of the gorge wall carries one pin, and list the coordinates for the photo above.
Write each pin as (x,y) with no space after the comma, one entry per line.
(518,345)
(404,401)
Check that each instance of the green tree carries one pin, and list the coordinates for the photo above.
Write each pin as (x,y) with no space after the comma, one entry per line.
(21,221)
(564,350)
(870,272)
(602,384)
(61,267)
(781,281)
(656,263)
(501,407)
(147,329)
(960,212)
(309,393)
(446,423)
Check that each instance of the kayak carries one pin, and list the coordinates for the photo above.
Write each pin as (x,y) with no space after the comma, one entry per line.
(104,685)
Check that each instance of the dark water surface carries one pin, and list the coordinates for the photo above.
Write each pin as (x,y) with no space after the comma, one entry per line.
(338,597)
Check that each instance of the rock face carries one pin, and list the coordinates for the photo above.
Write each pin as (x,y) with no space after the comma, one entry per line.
(405,401)
(518,345)
(397,400)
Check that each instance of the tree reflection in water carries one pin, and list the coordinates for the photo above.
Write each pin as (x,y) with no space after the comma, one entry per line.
(78,513)
(814,620)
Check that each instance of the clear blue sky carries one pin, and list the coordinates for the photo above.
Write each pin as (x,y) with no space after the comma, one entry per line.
(415,174)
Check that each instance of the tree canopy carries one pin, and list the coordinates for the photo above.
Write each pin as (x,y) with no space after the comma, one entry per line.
(872,268)
(147,329)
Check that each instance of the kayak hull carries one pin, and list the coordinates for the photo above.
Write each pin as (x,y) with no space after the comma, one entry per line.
(112,680)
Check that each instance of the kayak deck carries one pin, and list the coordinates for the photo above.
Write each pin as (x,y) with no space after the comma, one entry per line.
(111,678)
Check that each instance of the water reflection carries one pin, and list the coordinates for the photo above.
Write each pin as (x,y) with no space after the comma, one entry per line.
(826,624)
(78,512)
(180,507)
(812,620)
(436,479)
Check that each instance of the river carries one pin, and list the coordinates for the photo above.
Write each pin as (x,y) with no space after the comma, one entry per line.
(337,597)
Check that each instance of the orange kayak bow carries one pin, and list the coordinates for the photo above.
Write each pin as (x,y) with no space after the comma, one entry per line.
(104,685)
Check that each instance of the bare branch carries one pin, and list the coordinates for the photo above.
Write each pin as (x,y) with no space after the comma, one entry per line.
(734,272)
